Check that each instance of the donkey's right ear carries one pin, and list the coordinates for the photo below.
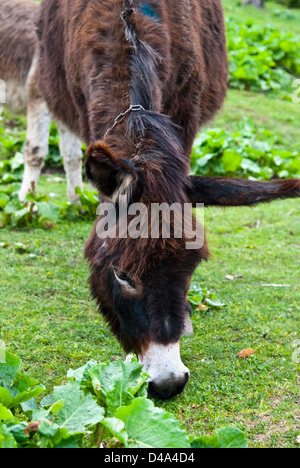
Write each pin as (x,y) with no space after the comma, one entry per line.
(111,175)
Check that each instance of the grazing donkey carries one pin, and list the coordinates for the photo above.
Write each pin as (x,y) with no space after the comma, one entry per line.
(136,79)
(18,69)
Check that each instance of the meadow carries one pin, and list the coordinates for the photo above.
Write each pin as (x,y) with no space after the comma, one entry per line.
(48,319)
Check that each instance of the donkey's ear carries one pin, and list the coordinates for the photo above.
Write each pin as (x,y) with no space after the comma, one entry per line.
(111,175)
(224,191)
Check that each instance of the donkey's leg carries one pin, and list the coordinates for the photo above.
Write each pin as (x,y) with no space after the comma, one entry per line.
(36,149)
(37,138)
(70,149)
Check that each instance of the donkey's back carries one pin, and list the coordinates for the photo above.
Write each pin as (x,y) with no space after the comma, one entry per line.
(18,49)
(87,80)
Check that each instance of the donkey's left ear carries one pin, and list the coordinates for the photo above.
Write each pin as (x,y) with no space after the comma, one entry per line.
(111,175)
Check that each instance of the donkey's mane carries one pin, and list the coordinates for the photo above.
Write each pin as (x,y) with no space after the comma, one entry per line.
(144,60)
(155,133)
(159,154)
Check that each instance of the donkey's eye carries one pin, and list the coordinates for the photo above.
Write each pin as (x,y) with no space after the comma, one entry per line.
(124,279)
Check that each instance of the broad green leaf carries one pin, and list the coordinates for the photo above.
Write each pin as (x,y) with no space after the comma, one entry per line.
(231,160)
(47,401)
(5,397)
(214,302)
(48,429)
(195,299)
(198,295)
(13,206)
(250,166)
(231,437)
(7,189)
(151,427)
(7,440)
(4,199)
(205,442)
(17,162)
(40,414)
(69,443)
(117,429)
(79,412)
(18,432)
(5,414)
(57,406)
(8,178)
(51,435)
(29,406)
(204,160)
(22,383)
(25,396)
(19,214)
(48,210)
(9,369)
(117,383)
(81,375)
(24,388)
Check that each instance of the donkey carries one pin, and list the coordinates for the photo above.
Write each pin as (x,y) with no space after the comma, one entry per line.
(18,69)
(136,79)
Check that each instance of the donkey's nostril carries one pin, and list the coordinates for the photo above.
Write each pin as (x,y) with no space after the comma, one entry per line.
(166,389)
(154,391)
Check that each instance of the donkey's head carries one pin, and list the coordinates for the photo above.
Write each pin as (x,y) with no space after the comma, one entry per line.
(142,259)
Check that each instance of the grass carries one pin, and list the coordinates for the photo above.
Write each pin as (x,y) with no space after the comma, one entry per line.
(260,395)
(281,117)
(273,14)
(48,319)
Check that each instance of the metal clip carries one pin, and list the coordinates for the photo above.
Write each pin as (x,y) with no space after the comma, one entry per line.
(120,117)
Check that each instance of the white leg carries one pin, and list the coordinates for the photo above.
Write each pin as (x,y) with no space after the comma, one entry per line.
(37,139)
(70,149)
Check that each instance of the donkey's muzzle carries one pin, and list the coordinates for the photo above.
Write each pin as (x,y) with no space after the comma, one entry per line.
(168,374)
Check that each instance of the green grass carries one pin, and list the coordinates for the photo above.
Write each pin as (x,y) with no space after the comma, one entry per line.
(48,319)
(281,117)
(266,16)
(260,395)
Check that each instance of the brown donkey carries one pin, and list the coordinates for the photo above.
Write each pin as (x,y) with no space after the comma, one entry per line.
(136,79)
(18,71)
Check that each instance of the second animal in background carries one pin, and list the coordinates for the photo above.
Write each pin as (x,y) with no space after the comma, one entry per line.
(19,75)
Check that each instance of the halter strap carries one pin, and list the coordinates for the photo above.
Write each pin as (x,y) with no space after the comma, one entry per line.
(120,117)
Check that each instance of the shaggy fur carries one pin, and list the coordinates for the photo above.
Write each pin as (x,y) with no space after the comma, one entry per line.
(18,69)
(18,43)
(97,59)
